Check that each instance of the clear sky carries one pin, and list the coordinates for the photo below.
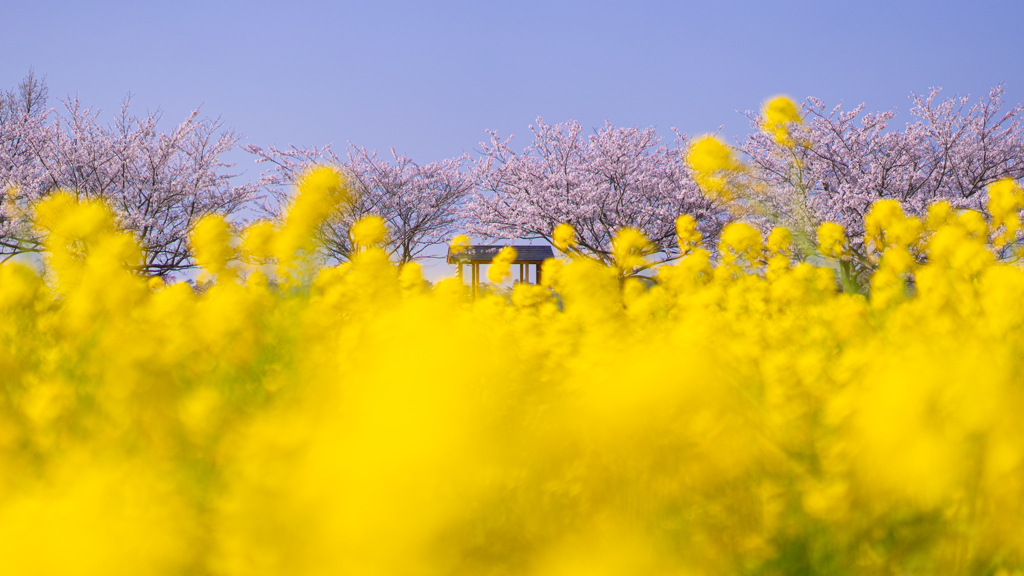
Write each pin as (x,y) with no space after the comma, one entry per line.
(430,77)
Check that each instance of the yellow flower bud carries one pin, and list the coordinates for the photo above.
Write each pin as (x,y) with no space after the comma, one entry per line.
(211,243)
(501,265)
(368,231)
(779,113)
(687,233)
(459,243)
(742,240)
(1005,199)
(564,237)
(709,159)
(257,240)
(832,240)
(630,248)
(780,241)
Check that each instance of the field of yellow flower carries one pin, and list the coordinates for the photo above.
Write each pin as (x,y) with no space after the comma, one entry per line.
(743,418)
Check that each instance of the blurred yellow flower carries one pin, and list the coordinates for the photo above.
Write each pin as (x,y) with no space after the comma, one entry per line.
(459,243)
(780,241)
(564,237)
(779,114)
(741,241)
(832,240)
(630,249)
(710,160)
(687,233)
(358,419)
(501,264)
(211,243)
(369,231)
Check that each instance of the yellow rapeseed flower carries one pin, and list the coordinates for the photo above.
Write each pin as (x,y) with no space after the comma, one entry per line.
(258,240)
(368,231)
(832,240)
(1005,200)
(501,264)
(939,214)
(687,234)
(459,243)
(885,225)
(710,161)
(564,237)
(211,243)
(780,241)
(322,191)
(630,249)
(743,241)
(973,222)
(779,113)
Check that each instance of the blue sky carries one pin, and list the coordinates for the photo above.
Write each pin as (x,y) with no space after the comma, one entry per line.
(429,78)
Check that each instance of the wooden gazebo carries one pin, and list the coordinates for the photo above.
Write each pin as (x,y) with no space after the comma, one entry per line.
(484,254)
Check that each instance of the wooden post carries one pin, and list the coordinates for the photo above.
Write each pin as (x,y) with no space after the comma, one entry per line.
(476,279)
(458,272)
(522,275)
(538,274)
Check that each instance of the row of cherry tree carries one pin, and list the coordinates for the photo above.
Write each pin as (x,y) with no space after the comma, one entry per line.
(837,163)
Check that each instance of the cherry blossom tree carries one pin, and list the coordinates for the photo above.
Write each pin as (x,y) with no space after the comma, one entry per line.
(24,129)
(158,183)
(613,179)
(836,167)
(419,203)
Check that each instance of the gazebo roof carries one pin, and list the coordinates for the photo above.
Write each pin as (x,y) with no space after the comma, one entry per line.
(484,254)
